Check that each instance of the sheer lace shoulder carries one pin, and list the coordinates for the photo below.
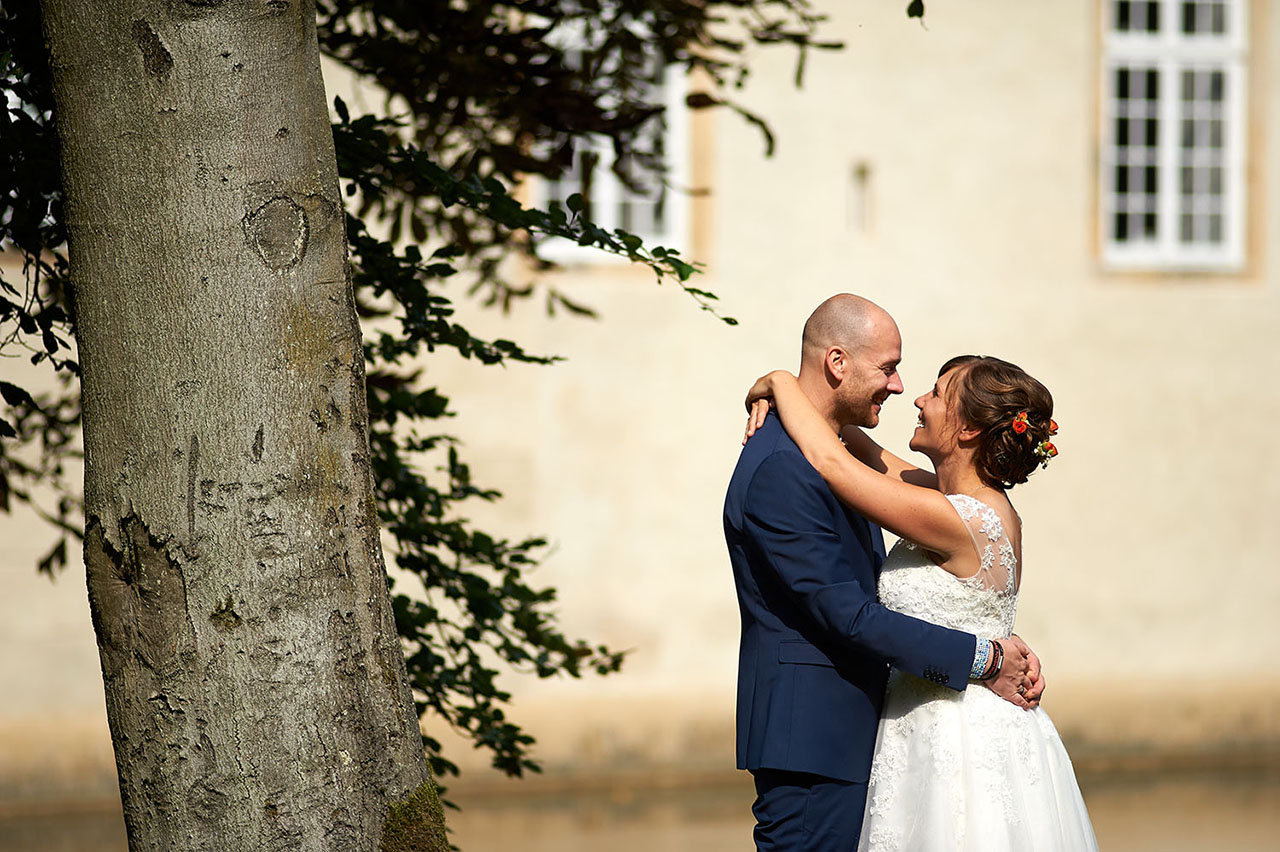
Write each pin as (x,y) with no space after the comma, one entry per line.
(997,559)
(984,604)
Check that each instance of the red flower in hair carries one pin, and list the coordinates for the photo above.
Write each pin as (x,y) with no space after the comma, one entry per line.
(1020,422)
(1053,426)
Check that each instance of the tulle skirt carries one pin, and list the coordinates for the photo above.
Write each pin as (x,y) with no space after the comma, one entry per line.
(969,771)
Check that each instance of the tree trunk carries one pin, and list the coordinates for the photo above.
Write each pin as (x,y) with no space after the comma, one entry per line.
(255,686)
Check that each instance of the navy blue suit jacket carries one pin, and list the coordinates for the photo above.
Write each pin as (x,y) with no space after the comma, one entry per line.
(816,645)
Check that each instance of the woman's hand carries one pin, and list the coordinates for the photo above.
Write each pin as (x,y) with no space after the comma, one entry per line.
(756,412)
(759,398)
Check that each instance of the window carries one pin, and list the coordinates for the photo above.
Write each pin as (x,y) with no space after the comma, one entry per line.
(656,212)
(1173,152)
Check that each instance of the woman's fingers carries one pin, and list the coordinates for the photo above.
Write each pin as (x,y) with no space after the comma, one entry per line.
(755,417)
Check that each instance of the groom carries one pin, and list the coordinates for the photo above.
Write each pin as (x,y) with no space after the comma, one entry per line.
(816,645)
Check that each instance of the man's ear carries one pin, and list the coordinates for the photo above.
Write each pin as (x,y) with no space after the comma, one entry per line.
(837,362)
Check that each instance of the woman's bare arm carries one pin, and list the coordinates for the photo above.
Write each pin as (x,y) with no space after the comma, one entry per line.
(876,457)
(920,514)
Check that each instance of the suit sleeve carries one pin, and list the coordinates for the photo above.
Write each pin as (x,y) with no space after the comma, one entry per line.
(788,515)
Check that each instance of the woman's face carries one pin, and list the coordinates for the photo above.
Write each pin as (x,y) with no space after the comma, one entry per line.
(937,424)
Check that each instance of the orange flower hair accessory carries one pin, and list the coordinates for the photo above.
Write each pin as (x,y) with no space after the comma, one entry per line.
(1045,450)
(1053,426)
(1020,422)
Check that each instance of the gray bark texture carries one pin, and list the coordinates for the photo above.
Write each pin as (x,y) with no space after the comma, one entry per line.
(255,684)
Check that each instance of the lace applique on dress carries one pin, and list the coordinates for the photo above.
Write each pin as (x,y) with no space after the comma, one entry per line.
(984,604)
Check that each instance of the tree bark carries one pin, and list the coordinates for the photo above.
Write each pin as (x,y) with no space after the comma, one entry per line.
(255,685)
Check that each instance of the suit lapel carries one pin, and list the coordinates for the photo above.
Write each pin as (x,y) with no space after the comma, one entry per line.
(877,543)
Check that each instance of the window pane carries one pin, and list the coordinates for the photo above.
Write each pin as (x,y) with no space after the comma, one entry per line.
(1142,16)
(1186,228)
(1204,17)
(1215,228)
(1122,8)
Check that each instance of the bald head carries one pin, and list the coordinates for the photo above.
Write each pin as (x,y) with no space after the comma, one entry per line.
(849,360)
(844,320)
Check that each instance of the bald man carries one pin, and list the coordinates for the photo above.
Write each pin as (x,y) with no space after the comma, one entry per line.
(816,645)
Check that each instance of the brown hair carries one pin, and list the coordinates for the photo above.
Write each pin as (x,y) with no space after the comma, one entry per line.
(988,394)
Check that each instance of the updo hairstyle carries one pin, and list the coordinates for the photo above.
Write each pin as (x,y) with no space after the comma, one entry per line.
(988,393)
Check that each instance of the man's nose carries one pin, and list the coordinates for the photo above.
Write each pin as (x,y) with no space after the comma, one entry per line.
(895,383)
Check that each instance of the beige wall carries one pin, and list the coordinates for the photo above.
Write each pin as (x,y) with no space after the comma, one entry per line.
(1148,565)
(1150,584)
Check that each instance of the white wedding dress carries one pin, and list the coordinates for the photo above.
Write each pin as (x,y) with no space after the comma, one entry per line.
(966,770)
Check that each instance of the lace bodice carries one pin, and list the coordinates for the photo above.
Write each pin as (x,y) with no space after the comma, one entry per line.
(984,604)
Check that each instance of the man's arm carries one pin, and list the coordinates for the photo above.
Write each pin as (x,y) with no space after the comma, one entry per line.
(789,517)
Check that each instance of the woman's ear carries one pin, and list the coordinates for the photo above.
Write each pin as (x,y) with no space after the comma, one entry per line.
(968,433)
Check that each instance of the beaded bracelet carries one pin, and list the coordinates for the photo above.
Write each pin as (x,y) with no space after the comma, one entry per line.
(995,670)
(980,659)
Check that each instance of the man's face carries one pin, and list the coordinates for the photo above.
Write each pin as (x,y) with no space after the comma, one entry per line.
(870,376)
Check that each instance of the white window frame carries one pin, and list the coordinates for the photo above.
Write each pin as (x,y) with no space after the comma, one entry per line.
(608,190)
(1171,52)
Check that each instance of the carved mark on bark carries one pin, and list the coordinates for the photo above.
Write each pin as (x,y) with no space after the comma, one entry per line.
(278,231)
(258,441)
(156,59)
(138,599)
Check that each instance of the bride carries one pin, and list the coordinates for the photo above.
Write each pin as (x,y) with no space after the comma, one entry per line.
(952,770)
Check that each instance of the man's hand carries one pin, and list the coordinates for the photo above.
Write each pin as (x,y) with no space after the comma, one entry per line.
(1034,673)
(1020,680)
